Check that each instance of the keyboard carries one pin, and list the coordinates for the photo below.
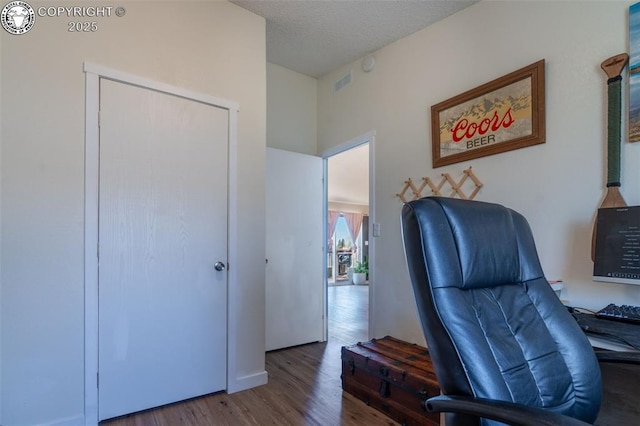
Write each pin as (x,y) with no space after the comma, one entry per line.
(624,313)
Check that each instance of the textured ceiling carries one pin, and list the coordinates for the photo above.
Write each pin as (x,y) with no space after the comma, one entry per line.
(314,37)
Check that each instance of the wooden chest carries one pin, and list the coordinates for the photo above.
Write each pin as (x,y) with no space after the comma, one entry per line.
(393,376)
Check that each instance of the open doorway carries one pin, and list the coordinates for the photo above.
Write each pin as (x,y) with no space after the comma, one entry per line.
(348,254)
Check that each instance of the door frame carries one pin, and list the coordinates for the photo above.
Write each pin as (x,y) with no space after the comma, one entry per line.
(370,138)
(93,74)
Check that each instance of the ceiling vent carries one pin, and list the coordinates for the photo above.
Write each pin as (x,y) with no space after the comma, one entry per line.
(343,82)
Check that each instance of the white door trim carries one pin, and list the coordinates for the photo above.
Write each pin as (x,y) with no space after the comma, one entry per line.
(369,137)
(158,86)
(93,73)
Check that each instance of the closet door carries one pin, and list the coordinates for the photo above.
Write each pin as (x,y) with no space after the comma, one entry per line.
(162,230)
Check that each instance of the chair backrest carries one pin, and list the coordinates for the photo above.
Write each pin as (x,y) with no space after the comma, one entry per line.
(494,327)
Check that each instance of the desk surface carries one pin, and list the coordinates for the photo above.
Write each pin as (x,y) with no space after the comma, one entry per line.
(609,334)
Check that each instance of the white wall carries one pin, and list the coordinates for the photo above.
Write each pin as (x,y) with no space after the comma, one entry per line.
(557,186)
(348,208)
(291,110)
(215,48)
(0,233)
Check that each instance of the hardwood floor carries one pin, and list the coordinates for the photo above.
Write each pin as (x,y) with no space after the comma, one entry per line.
(304,383)
(348,314)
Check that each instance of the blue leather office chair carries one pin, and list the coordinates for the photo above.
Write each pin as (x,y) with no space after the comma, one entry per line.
(504,348)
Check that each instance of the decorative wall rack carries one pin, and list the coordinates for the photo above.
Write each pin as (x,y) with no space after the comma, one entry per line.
(410,189)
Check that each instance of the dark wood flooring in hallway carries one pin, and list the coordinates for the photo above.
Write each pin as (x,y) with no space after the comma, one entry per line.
(304,383)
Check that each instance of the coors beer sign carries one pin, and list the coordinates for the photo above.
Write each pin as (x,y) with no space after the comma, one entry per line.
(492,118)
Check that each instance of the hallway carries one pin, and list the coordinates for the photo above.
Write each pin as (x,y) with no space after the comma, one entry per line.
(348,313)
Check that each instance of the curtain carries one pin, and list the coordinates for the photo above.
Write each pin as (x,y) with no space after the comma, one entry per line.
(354,222)
(333,219)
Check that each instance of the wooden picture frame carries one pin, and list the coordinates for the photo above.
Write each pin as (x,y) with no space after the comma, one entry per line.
(634,73)
(502,115)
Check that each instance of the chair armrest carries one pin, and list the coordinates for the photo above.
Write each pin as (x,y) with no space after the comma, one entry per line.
(618,357)
(502,411)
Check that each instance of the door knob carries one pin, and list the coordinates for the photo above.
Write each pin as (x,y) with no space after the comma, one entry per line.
(219,266)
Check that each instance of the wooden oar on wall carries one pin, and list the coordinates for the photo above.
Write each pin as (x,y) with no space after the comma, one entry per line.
(613,68)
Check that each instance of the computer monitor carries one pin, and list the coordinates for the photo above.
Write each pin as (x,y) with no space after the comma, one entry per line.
(617,250)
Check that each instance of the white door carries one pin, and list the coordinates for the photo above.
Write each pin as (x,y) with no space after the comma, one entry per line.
(294,275)
(162,228)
